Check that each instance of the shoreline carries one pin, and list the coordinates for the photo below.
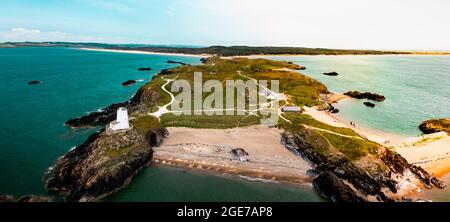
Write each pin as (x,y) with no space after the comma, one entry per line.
(430,151)
(257,55)
(334,120)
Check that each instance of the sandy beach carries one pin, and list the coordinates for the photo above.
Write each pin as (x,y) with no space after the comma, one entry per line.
(432,152)
(211,150)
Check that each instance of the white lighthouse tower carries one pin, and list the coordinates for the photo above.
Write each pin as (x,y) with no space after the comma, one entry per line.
(121,122)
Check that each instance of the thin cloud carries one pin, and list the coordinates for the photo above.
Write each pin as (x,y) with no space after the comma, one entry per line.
(169,11)
(36,35)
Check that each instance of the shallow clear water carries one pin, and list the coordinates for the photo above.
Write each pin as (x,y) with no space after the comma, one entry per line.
(417,88)
(172,184)
(76,82)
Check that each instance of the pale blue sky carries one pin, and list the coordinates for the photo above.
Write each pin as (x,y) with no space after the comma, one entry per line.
(368,24)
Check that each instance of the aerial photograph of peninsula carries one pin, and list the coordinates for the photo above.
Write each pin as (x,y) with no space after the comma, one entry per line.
(224,101)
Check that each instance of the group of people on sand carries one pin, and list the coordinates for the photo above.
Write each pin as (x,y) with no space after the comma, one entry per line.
(354,125)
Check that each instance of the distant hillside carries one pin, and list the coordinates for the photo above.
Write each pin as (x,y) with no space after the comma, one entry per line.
(247,50)
(213,50)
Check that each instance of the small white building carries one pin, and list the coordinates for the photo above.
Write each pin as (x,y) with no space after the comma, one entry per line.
(291,109)
(121,122)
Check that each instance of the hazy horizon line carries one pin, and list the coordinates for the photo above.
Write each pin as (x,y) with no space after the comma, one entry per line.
(225,45)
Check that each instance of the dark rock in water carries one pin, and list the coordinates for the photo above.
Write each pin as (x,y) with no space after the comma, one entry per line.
(129,83)
(7,198)
(331,74)
(297,67)
(203,60)
(332,109)
(435,125)
(27,198)
(332,188)
(165,72)
(175,62)
(99,118)
(365,95)
(369,104)
(34,82)
(144,98)
(34,198)
(102,165)
(144,69)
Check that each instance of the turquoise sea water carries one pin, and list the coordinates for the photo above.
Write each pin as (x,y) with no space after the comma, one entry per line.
(417,88)
(75,82)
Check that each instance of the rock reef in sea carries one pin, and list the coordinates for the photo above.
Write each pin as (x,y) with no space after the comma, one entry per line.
(369,104)
(26,198)
(175,62)
(365,95)
(435,125)
(331,73)
(34,82)
(128,83)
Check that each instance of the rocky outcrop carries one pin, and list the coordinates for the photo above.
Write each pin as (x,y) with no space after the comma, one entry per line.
(365,95)
(435,125)
(378,175)
(398,164)
(34,198)
(103,164)
(99,118)
(129,83)
(26,198)
(369,104)
(331,73)
(330,187)
(332,109)
(7,198)
(240,154)
(155,137)
(145,69)
(175,62)
(165,72)
(34,82)
(143,98)
(325,103)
